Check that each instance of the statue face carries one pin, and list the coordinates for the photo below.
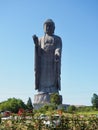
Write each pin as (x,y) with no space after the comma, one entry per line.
(49,28)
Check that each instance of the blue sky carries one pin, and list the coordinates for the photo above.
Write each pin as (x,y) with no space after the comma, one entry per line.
(76,23)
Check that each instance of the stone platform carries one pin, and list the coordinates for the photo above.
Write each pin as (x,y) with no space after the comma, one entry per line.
(41,99)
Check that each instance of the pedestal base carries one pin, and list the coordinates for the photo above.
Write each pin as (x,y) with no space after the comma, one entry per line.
(42,99)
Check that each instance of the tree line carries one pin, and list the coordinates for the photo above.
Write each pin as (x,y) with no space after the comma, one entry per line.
(13,104)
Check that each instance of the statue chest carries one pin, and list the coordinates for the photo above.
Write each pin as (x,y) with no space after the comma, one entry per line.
(48,45)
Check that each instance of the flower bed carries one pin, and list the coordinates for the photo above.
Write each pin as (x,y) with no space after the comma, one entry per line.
(64,122)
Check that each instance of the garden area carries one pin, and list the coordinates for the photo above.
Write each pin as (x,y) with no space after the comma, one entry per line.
(16,115)
(60,121)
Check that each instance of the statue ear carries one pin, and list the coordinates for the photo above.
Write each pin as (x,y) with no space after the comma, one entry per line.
(44,27)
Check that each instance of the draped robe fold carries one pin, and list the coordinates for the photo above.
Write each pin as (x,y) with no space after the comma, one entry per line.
(47,67)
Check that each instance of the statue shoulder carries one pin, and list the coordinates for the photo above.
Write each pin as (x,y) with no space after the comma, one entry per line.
(58,38)
(41,39)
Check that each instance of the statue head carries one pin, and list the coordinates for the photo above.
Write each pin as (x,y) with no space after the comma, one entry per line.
(49,27)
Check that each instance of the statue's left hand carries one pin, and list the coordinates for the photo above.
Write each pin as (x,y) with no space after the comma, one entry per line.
(35,39)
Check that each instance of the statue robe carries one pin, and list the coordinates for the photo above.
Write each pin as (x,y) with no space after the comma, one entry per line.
(48,64)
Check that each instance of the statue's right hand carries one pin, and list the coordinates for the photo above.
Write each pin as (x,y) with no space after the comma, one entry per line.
(35,39)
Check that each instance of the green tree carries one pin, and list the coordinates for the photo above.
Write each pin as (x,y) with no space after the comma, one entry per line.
(47,107)
(29,104)
(55,99)
(12,104)
(94,101)
(71,108)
